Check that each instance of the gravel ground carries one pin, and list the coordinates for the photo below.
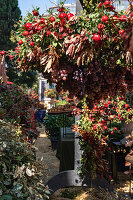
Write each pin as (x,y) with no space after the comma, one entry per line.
(47,155)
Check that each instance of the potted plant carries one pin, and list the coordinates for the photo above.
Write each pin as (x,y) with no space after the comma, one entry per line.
(53,123)
(52,129)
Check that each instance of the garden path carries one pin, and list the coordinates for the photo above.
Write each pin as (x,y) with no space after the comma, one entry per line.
(46,153)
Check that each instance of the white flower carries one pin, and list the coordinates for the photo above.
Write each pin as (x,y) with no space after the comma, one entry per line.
(29,172)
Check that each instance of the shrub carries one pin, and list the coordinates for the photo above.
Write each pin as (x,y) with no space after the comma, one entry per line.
(19,107)
(20,174)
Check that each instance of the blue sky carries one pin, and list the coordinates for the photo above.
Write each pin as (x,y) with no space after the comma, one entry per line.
(27,5)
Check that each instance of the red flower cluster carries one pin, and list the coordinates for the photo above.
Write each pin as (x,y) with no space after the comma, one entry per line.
(98,127)
(19,106)
(82,55)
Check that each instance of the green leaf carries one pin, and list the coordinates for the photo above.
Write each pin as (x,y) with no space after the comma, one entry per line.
(6,197)
(54,44)
(18,187)
(47,192)
(31,190)
(19,158)
(7,182)
(1,192)
(118,61)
